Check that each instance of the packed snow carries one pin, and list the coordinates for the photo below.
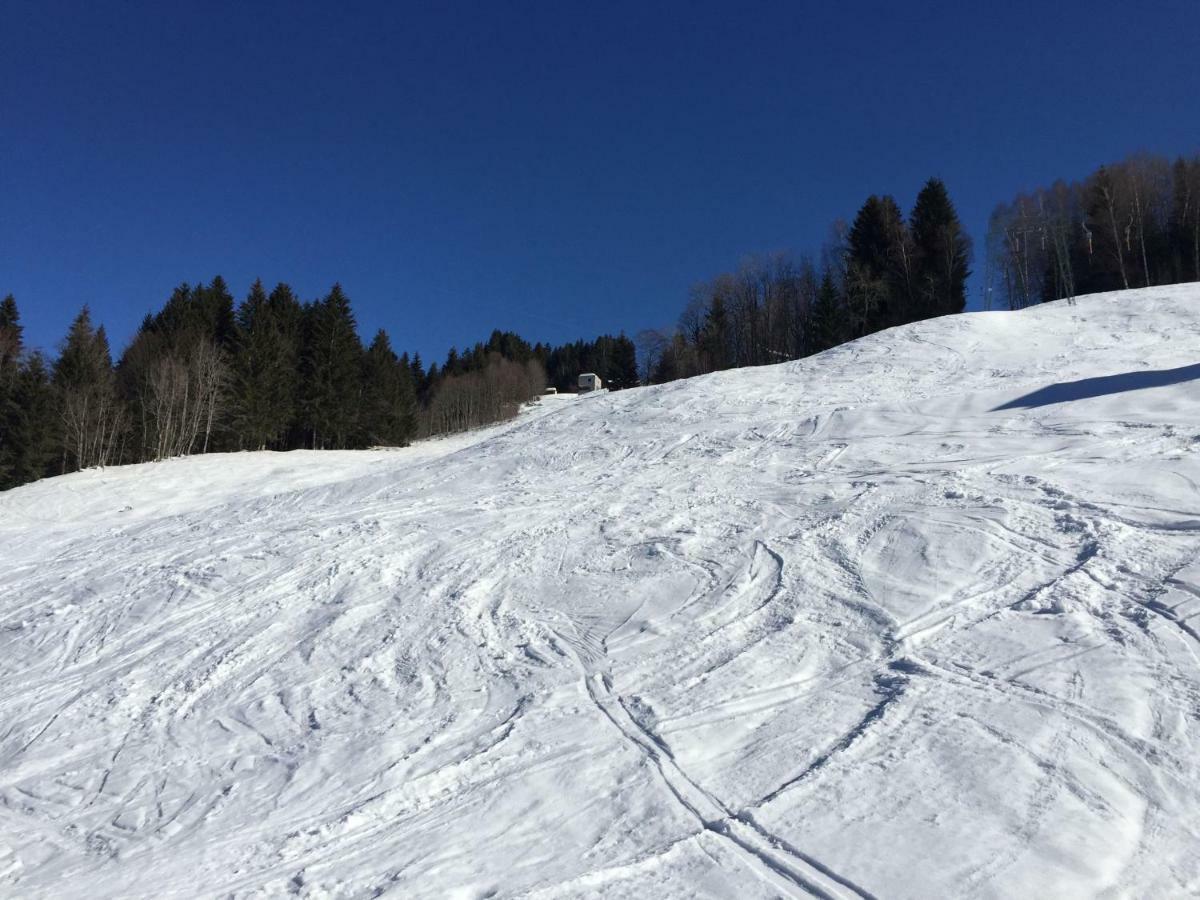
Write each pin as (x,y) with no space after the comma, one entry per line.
(918,617)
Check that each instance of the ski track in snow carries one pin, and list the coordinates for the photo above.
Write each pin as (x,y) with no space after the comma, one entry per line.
(880,623)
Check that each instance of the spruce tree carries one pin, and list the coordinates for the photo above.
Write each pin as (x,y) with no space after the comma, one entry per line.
(623,365)
(30,425)
(215,313)
(263,372)
(10,331)
(827,326)
(878,264)
(287,312)
(943,252)
(332,372)
(389,404)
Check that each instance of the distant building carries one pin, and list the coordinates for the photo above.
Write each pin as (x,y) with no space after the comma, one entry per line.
(589,382)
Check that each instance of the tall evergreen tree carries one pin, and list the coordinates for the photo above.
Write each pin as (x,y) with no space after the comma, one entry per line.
(30,425)
(623,365)
(878,265)
(943,252)
(263,372)
(11,331)
(332,372)
(217,315)
(287,312)
(826,323)
(202,311)
(419,378)
(388,414)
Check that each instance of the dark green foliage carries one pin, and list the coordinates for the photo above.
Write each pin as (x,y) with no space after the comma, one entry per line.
(29,426)
(10,331)
(614,359)
(509,346)
(502,344)
(331,367)
(80,359)
(623,371)
(275,373)
(420,380)
(389,403)
(216,304)
(942,254)
(879,261)
(264,369)
(204,311)
(826,321)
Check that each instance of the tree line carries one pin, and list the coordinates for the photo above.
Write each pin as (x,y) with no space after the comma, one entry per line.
(273,372)
(880,271)
(203,374)
(1134,223)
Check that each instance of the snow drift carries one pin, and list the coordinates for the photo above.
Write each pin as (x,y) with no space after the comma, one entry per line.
(917,617)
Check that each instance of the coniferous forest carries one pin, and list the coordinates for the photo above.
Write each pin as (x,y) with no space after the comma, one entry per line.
(206,373)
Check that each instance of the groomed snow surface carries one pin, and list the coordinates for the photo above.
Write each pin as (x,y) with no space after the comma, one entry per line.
(918,617)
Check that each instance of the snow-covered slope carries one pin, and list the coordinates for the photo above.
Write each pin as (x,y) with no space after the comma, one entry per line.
(918,617)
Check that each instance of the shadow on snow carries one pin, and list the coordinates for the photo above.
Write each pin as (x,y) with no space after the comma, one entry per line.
(1101,386)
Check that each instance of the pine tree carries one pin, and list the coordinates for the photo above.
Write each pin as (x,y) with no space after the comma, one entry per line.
(30,425)
(332,372)
(877,264)
(215,313)
(826,323)
(389,404)
(943,252)
(263,372)
(10,331)
(623,365)
(287,312)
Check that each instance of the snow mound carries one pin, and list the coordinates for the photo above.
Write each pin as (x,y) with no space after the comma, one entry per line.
(916,617)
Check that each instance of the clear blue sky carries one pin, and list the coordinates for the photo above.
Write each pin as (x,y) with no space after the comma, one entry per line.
(561,169)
